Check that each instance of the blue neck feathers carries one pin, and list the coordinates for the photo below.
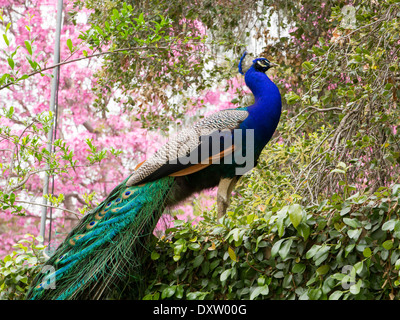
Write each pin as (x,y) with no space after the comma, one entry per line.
(264,114)
(266,93)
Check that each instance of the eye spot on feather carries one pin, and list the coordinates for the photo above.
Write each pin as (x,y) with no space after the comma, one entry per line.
(91,224)
(127,194)
(115,210)
(73,240)
(100,215)
(118,200)
(61,257)
(109,205)
(40,286)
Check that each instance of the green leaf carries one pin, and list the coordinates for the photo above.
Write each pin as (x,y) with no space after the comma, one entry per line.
(336,295)
(299,268)
(28,47)
(354,233)
(198,261)
(115,14)
(304,230)
(295,214)
(6,39)
(179,292)
(12,198)
(168,292)
(355,288)
(11,63)
(194,246)
(292,98)
(276,247)
(285,248)
(389,225)
(69,45)
(367,252)
(225,274)
(155,255)
(323,269)
(313,250)
(346,209)
(264,290)
(232,254)
(314,294)
(358,267)
(338,171)
(349,249)
(307,66)
(388,244)
(350,222)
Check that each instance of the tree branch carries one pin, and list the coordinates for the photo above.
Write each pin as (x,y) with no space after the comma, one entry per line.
(83,58)
(48,206)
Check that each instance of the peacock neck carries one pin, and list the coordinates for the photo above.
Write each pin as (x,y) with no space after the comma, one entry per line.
(266,95)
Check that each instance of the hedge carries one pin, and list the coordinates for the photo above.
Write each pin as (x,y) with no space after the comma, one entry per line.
(335,250)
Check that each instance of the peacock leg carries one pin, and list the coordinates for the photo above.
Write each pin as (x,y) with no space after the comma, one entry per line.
(225,188)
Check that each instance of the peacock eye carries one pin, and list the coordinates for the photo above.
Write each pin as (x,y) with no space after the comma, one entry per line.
(262,63)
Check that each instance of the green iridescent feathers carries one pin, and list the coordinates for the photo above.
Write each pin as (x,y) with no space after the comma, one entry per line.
(108,246)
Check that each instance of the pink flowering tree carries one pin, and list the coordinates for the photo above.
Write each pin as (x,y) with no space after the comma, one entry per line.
(101,130)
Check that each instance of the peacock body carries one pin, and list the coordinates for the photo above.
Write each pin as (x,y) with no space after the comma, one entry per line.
(110,244)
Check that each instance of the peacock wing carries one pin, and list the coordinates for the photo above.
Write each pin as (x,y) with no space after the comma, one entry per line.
(192,149)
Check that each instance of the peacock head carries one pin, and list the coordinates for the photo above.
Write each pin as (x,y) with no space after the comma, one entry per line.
(260,64)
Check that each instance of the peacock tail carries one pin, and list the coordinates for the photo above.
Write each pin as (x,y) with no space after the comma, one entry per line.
(107,247)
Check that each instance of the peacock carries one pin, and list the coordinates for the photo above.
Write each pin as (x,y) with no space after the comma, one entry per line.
(110,244)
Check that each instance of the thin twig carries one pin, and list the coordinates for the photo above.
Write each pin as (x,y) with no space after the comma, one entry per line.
(48,206)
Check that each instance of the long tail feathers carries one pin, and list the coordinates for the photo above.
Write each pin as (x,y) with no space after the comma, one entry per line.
(107,247)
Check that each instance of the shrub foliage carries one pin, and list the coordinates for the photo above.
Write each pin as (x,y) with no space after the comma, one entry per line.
(335,250)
